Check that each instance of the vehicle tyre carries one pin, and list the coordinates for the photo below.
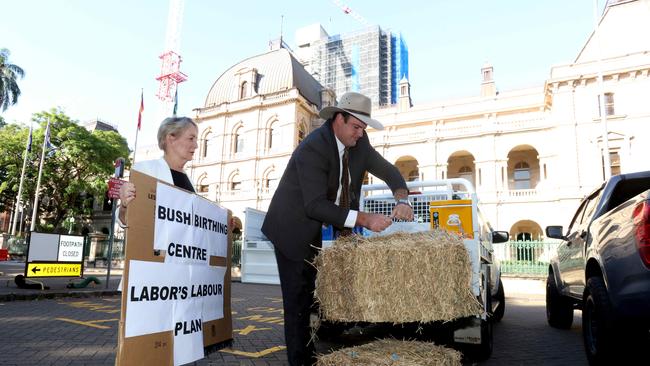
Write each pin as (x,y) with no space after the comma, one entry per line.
(500,297)
(559,308)
(597,324)
(329,330)
(483,351)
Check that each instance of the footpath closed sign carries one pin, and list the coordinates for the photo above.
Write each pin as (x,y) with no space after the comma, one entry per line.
(54,255)
(176,281)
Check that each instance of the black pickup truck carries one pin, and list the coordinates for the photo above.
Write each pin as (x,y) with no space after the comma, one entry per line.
(603,268)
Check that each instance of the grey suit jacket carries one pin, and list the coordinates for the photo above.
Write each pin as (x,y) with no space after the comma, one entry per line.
(306,195)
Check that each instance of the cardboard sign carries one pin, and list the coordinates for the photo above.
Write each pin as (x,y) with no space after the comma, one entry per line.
(176,281)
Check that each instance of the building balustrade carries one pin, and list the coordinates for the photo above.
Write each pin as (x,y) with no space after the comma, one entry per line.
(522,192)
(521,124)
(236,193)
(459,129)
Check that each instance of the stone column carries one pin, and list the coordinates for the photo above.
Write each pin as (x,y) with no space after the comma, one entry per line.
(95,238)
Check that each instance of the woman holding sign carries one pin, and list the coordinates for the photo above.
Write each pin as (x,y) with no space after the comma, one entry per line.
(177,139)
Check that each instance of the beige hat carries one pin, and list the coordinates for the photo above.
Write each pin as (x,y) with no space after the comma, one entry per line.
(355,104)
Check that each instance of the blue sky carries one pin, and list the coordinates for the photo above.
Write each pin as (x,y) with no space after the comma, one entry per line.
(92,57)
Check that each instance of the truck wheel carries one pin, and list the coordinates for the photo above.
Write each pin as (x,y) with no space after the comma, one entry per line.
(330,330)
(500,297)
(559,309)
(597,325)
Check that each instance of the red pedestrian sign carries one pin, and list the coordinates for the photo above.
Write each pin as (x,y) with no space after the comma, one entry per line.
(114,185)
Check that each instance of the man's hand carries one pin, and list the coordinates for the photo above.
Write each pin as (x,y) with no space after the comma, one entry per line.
(374,222)
(402,212)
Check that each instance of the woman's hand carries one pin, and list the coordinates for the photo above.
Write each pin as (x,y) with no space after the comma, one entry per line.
(127,194)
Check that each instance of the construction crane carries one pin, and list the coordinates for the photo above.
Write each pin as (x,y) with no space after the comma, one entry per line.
(348,11)
(170,73)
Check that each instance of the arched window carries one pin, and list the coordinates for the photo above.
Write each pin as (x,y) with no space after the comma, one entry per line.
(243,90)
(235,183)
(206,144)
(274,136)
(466,172)
(302,131)
(270,182)
(203,186)
(522,175)
(413,175)
(238,140)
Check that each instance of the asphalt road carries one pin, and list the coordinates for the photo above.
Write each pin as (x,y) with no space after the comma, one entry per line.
(76,331)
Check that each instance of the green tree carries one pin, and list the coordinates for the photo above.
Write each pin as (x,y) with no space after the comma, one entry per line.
(74,173)
(9,73)
(13,139)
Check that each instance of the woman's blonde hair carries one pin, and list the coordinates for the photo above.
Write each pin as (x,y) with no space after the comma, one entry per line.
(173,126)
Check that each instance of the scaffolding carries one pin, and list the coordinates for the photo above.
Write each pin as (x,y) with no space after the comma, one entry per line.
(370,61)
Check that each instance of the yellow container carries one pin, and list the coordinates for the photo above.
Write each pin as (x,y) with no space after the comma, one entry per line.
(452,215)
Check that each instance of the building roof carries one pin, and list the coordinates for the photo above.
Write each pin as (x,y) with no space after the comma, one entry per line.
(97,124)
(277,71)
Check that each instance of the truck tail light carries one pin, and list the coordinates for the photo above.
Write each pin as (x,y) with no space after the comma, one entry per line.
(641,219)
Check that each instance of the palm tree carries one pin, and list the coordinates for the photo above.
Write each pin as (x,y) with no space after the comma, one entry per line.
(9,90)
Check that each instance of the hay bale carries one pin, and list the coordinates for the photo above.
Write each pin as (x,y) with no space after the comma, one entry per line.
(392,352)
(397,278)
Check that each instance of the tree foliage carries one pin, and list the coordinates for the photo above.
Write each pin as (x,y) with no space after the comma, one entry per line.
(74,173)
(9,74)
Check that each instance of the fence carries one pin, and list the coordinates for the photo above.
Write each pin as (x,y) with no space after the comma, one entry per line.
(17,247)
(118,249)
(236,253)
(528,258)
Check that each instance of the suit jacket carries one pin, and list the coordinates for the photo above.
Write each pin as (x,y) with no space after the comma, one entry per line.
(306,195)
(157,168)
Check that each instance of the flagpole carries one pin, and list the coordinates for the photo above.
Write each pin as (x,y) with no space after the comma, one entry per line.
(137,131)
(20,187)
(40,173)
(135,147)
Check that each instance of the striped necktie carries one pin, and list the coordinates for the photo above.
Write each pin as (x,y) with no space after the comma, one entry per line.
(344,200)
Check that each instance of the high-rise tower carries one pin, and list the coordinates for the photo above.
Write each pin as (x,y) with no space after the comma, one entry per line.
(371,61)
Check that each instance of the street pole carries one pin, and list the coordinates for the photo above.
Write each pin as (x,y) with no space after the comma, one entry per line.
(19,198)
(119,172)
(40,173)
(607,167)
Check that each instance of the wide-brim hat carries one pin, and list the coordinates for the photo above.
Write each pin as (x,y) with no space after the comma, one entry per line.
(355,104)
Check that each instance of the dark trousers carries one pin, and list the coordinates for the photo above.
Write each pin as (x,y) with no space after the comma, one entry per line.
(297,279)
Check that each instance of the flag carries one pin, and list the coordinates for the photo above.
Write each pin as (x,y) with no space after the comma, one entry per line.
(48,144)
(175,103)
(29,140)
(141,110)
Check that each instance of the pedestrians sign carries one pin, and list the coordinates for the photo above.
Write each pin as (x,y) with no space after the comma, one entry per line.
(36,269)
(54,255)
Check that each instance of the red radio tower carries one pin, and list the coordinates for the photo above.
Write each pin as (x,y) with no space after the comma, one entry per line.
(170,73)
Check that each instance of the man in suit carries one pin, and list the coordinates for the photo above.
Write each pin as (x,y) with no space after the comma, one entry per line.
(315,189)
